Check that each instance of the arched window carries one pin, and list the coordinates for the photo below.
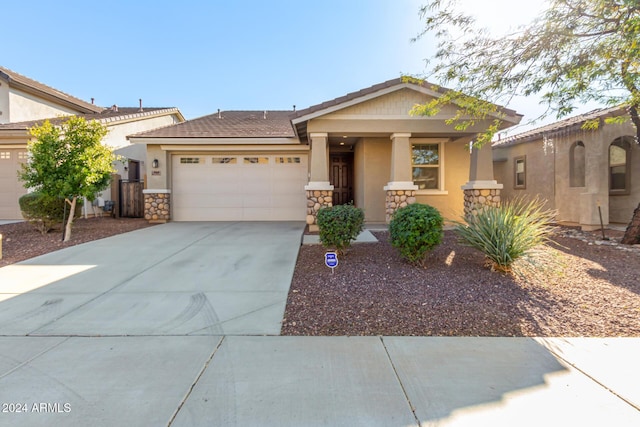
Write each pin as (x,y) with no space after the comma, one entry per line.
(577,164)
(619,166)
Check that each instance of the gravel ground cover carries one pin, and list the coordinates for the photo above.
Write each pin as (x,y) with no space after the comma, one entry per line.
(590,288)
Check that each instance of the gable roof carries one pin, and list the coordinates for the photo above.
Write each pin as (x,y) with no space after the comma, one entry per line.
(106,116)
(230,124)
(26,84)
(384,87)
(571,123)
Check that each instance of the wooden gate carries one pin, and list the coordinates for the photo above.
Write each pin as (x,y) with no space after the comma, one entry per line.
(131,199)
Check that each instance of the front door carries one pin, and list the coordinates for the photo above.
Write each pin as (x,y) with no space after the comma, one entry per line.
(342,178)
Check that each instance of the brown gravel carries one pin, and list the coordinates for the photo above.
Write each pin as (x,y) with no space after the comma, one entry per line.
(22,241)
(591,289)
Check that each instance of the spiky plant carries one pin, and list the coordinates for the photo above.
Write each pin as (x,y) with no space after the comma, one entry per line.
(509,232)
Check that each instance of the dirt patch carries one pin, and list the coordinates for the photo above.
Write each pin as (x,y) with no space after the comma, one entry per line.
(590,289)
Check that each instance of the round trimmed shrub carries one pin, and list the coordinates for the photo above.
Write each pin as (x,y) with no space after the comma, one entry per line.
(415,230)
(45,212)
(339,225)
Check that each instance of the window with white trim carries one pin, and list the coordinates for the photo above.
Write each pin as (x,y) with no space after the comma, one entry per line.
(256,160)
(190,160)
(520,172)
(224,160)
(619,166)
(426,166)
(289,160)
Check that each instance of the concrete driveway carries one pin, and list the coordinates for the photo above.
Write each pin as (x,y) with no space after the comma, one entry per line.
(173,279)
(176,325)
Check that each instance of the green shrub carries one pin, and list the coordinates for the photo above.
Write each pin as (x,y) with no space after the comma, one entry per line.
(339,225)
(509,232)
(416,229)
(44,212)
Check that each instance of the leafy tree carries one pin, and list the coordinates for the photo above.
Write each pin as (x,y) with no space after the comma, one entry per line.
(574,52)
(68,161)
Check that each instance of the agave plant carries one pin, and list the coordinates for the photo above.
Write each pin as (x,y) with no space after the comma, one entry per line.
(509,232)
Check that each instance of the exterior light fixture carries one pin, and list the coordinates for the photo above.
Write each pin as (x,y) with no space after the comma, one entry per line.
(155,163)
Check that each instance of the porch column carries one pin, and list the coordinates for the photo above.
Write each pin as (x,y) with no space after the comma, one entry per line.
(401,191)
(157,196)
(482,189)
(319,190)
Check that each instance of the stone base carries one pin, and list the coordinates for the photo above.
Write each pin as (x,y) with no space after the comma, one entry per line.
(316,200)
(157,207)
(475,200)
(397,199)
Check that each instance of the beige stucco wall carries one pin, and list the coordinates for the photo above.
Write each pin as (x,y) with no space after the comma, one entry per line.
(548,174)
(456,174)
(539,172)
(396,104)
(24,107)
(4,102)
(117,139)
(372,164)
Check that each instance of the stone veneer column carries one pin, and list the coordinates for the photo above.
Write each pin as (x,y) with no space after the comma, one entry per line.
(480,194)
(157,205)
(319,190)
(316,200)
(400,190)
(397,199)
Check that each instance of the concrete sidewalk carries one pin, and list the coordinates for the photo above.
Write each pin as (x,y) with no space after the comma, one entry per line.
(309,381)
(177,325)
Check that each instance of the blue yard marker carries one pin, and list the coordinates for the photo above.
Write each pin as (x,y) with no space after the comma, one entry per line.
(331,260)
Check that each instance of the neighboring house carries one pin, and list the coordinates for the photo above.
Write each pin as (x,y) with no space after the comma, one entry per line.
(285,165)
(575,170)
(25,102)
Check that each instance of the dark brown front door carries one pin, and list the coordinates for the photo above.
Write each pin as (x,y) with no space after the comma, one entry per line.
(342,177)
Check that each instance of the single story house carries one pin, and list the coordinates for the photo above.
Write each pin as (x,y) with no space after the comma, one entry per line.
(363,147)
(581,173)
(25,102)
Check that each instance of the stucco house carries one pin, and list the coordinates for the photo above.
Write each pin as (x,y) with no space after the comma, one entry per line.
(363,147)
(575,170)
(25,102)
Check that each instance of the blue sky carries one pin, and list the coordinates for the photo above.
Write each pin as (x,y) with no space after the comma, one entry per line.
(203,55)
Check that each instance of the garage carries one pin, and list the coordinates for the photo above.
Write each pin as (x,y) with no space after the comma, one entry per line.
(11,187)
(240,187)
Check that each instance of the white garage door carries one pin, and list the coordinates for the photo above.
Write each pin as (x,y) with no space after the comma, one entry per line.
(10,187)
(247,187)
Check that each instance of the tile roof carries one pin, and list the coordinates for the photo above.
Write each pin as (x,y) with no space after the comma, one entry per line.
(574,122)
(230,124)
(106,116)
(28,84)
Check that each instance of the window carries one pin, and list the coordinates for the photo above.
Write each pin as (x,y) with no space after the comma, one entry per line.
(224,160)
(190,160)
(5,155)
(256,160)
(289,160)
(425,163)
(577,165)
(619,162)
(520,172)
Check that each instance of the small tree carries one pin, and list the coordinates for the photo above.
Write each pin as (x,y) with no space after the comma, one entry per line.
(576,51)
(68,161)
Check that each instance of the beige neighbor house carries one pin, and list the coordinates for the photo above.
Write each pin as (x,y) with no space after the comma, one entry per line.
(364,147)
(25,102)
(575,170)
